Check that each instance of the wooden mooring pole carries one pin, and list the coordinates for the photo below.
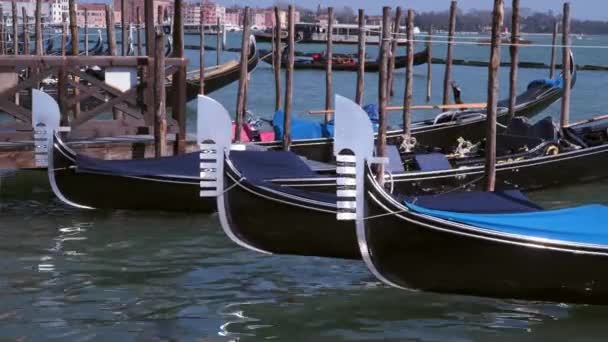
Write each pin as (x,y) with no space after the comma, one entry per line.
(391,58)
(329,56)
(382,91)
(409,81)
(138,30)
(111,35)
(218,42)
(160,116)
(2,34)
(123,27)
(277,58)
(447,78)
(86,32)
(514,57)
(75,52)
(360,59)
(178,107)
(240,102)
(553,49)
(15,29)
(201,76)
(289,78)
(64,35)
(490,162)
(565,117)
(148,74)
(429,64)
(26,32)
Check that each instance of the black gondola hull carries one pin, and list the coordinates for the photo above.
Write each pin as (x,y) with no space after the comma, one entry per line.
(417,253)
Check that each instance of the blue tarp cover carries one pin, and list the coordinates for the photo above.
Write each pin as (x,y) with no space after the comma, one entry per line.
(585,224)
(185,165)
(262,165)
(432,162)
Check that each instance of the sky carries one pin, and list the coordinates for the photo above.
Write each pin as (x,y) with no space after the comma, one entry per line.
(580,9)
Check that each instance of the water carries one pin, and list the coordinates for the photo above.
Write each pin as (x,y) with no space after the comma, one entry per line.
(68,274)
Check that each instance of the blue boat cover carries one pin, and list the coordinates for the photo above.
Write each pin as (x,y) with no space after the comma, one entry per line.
(262,165)
(432,162)
(509,201)
(556,82)
(185,165)
(585,224)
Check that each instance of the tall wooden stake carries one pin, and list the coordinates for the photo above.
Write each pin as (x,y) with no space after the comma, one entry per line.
(138,30)
(26,32)
(218,42)
(382,91)
(391,57)
(110,26)
(38,28)
(447,79)
(86,32)
(289,78)
(360,59)
(240,103)
(429,64)
(179,79)
(409,80)
(328,66)
(553,49)
(202,53)
(64,36)
(123,26)
(490,166)
(74,28)
(160,116)
(15,29)
(277,58)
(514,57)
(2,34)
(565,118)
(150,35)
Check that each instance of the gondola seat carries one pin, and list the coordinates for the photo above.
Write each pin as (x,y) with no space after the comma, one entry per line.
(432,162)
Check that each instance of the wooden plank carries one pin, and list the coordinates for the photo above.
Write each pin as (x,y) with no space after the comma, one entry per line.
(10,85)
(360,59)
(447,78)
(15,111)
(105,107)
(383,92)
(102,61)
(490,161)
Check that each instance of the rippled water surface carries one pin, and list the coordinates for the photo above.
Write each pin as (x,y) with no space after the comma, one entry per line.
(100,275)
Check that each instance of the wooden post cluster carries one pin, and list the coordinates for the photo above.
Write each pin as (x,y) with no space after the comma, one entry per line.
(360,59)
(553,49)
(514,57)
(565,117)
(409,80)
(178,107)
(429,64)
(277,59)
(160,116)
(391,60)
(240,99)
(383,91)
(202,53)
(447,79)
(289,78)
(328,66)
(490,162)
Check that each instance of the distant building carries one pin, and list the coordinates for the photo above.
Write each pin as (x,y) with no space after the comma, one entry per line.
(30,8)
(131,9)
(96,15)
(233,17)
(373,20)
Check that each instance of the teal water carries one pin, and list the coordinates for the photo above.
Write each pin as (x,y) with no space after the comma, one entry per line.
(74,275)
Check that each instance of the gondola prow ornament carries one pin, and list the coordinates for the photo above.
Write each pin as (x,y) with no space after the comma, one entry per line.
(45,122)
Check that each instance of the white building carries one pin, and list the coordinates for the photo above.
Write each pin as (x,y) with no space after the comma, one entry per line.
(59,9)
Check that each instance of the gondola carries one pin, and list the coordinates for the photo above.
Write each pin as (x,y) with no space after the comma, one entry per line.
(492,244)
(343,62)
(217,77)
(314,140)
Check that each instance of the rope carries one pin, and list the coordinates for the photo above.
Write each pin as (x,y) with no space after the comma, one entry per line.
(238,182)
